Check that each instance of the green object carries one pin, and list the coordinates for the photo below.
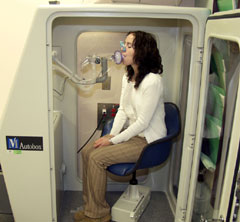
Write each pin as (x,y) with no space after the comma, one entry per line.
(219,65)
(17,151)
(216,97)
(213,126)
(207,162)
(224,5)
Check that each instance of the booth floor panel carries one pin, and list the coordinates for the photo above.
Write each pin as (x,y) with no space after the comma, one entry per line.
(158,209)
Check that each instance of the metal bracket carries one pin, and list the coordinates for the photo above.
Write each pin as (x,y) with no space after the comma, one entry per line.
(221,219)
(200,55)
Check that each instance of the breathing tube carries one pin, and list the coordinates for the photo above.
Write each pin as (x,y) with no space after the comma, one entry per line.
(99,77)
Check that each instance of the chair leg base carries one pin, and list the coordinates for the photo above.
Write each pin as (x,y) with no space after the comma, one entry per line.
(130,210)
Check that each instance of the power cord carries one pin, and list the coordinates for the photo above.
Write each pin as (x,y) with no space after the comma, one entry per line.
(99,123)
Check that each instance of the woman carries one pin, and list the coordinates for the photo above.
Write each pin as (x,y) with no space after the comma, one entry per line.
(139,121)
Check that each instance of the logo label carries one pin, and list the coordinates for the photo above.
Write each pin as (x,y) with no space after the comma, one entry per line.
(24,143)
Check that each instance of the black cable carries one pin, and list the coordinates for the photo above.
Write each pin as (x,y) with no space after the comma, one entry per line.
(99,123)
(63,88)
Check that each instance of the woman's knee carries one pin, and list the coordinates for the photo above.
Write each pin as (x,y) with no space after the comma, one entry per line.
(95,158)
(86,151)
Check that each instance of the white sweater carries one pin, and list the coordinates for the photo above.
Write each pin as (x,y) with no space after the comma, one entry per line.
(141,109)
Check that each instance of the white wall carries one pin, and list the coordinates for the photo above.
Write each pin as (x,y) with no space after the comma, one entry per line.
(100,44)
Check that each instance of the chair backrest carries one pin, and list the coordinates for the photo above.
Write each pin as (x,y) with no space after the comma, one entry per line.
(172,119)
(157,152)
(107,127)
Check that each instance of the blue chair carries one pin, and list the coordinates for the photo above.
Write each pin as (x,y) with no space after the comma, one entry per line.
(153,154)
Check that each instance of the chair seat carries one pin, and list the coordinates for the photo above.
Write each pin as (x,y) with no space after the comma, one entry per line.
(121,169)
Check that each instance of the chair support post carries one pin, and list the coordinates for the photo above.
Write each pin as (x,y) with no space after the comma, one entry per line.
(133,192)
(133,181)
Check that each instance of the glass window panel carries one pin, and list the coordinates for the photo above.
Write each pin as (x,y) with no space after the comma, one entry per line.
(221,99)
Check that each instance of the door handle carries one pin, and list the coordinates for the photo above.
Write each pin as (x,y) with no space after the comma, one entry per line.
(221,219)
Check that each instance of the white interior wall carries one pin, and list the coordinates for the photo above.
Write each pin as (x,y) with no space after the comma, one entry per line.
(100,44)
(204,4)
(65,38)
(79,122)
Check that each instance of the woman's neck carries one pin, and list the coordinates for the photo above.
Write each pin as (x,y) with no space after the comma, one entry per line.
(133,77)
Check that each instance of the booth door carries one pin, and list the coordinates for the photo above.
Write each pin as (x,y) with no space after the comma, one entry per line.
(213,192)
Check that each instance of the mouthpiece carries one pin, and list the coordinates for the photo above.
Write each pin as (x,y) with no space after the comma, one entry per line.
(118,57)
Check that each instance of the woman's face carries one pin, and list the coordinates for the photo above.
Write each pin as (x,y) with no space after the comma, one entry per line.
(129,53)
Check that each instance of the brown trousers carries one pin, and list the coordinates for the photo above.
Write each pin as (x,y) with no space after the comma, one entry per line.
(95,163)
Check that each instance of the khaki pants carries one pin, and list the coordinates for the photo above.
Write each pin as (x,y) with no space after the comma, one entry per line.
(95,162)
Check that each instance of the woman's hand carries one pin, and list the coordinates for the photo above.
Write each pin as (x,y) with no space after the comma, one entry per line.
(103,141)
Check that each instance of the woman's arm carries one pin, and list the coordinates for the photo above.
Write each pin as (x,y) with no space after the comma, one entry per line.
(120,117)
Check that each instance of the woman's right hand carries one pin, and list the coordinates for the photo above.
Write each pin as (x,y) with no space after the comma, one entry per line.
(103,141)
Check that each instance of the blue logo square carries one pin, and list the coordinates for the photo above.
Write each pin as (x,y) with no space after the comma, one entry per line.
(13,143)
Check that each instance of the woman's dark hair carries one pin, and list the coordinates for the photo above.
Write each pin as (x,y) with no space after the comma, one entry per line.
(146,56)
